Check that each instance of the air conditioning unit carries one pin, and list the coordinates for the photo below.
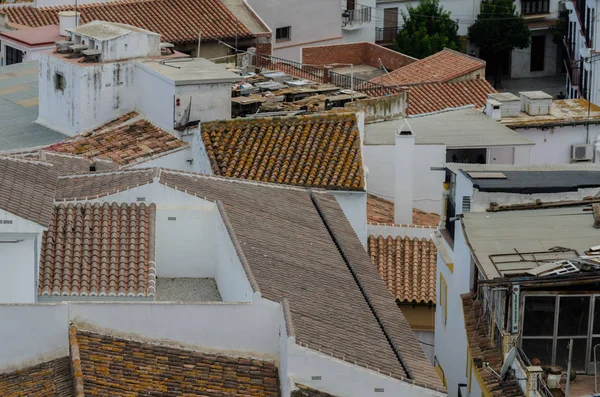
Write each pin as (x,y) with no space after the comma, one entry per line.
(582,152)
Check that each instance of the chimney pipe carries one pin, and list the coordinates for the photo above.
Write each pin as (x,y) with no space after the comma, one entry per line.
(404,174)
(68,20)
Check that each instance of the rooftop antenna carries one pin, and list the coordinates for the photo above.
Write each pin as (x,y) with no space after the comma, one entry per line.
(510,358)
(199,40)
(76,15)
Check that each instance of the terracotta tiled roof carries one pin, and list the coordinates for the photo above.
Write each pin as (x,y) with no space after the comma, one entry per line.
(482,350)
(178,21)
(119,367)
(314,151)
(98,185)
(64,163)
(99,250)
(543,24)
(306,267)
(50,379)
(125,141)
(27,189)
(407,266)
(382,211)
(432,97)
(440,67)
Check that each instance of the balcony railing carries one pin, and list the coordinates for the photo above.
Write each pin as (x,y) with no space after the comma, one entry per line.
(386,35)
(357,16)
(529,7)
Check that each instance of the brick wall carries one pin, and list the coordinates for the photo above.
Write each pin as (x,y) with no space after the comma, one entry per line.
(263,46)
(357,54)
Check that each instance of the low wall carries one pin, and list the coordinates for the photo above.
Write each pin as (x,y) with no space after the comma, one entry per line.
(380,108)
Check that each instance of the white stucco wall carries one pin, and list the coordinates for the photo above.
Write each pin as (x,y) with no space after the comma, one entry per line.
(230,276)
(238,328)
(32,334)
(379,159)
(450,335)
(354,205)
(93,94)
(18,268)
(553,146)
(175,160)
(210,102)
(340,378)
(325,18)
(428,184)
(155,97)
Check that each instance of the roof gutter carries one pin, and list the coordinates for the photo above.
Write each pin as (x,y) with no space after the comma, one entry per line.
(360,286)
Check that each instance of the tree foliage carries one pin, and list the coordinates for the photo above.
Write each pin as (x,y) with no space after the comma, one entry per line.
(499,28)
(427,29)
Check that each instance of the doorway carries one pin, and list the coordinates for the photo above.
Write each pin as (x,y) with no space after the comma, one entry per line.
(538,53)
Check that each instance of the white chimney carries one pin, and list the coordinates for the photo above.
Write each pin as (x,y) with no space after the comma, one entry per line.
(404,174)
(535,103)
(493,109)
(68,20)
(510,103)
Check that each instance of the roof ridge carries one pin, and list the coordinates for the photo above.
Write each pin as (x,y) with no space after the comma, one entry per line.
(463,54)
(22,160)
(100,173)
(76,362)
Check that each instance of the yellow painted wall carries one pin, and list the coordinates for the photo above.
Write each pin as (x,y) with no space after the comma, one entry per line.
(420,318)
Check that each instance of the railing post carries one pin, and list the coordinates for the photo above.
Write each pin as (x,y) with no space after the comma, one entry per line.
(534,375)
(326,74)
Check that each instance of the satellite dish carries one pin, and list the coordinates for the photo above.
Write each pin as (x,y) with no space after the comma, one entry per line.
(512,354)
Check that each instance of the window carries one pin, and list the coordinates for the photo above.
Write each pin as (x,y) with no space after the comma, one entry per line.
(283,34)
(13,55)
(549,322)
(444,297)
(59,82)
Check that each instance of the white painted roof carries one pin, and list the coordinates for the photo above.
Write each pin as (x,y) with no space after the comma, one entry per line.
(183,71)
(102,31)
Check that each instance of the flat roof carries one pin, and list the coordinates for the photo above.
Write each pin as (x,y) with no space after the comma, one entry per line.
(457,167)
(459,128)
(35,37)
(562,112)
(186,289)
(102,30)
(520,232)
(19,109)
(184,71)
(530,182)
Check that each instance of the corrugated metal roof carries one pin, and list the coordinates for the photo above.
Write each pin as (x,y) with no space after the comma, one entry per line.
(493,233)
(19,109)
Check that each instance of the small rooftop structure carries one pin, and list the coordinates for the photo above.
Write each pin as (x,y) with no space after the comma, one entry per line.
(513,242)
(103,31)
(459,128)
(562,112)
(185,71)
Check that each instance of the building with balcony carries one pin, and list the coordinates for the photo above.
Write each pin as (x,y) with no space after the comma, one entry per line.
(581,49)
(296,25)
(541,58)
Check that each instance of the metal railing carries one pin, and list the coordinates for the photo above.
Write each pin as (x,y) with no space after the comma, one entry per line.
(529,7)
(367,87)
(296,69)
(357,16)
(386,35)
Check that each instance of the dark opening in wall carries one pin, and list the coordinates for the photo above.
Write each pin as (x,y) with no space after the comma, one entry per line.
(59,81)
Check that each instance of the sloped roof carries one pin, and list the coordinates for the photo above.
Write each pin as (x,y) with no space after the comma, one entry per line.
(286,236)
(440,67)
(102,184)
(49,379)
(313,151)
(112,366)
(406,265)
(483,351)
(99,250)
(178,21)
(380,210)
(125,140)
(432,97)
(27,189)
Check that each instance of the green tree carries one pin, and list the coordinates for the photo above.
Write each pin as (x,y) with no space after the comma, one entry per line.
(427,29)
(498,30)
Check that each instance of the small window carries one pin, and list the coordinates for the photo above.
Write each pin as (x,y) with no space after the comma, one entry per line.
(283,34)
(59,82)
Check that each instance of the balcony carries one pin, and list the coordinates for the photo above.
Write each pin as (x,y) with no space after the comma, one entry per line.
(356,18)
(533,7)
(386,36)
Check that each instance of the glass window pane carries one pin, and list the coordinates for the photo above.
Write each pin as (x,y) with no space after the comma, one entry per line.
(573,315)
(538,317)
(596,325)
(595,341)
(579,353)
(538,348)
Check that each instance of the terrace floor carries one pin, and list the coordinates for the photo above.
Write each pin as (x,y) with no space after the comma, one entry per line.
(186,290)
(582,386)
